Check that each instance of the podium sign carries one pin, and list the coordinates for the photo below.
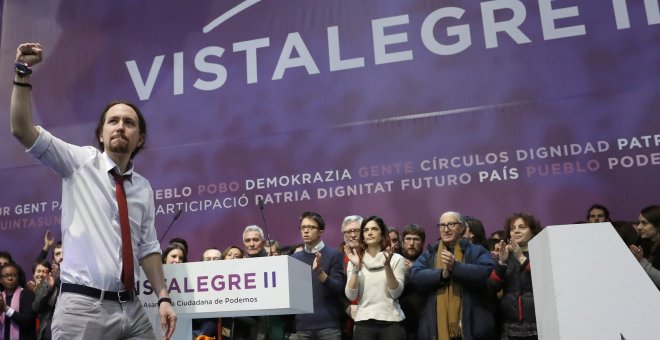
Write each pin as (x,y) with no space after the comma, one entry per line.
(588,285)
(244,287)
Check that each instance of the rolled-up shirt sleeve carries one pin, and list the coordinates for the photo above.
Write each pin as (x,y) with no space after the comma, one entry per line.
(62,157)
(148,239)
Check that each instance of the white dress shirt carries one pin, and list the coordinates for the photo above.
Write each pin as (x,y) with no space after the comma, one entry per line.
(315,249)
(91,233)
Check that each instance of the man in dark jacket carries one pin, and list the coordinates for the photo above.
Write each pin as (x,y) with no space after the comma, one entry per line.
(328,282)
(411,300)
(452,273)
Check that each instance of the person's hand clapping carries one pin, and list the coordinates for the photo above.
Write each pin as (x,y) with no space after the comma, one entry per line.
(504,253)
(32,286)
(353,256)
(514,248)
(637,251)
(316,265)
(388,252)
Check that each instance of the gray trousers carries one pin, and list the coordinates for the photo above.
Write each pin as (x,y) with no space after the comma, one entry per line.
(79,317)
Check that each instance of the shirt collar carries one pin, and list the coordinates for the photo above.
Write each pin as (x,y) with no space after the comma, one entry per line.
(110,166)
(316,248)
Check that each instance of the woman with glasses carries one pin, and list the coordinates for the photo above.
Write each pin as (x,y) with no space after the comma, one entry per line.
(647,250)
(376,274)
(513,275)
(451,274)
(17,318)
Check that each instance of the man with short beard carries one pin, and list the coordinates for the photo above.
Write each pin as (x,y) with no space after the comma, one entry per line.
(49,242)
(414,237)
(107,218)
(411,301)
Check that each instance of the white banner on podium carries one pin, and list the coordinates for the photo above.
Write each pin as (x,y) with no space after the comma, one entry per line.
(588,285)
(244,287)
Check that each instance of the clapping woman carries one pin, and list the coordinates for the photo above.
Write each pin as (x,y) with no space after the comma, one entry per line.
(513,274)
(376,274)
(17,318)
(647,250)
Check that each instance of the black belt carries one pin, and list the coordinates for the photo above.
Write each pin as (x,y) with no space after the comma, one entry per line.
(121,296)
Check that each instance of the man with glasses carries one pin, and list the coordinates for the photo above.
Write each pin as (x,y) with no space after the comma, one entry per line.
(328,281)
(452,275)
(350,230)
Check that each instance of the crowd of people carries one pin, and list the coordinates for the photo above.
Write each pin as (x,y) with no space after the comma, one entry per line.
(379,283)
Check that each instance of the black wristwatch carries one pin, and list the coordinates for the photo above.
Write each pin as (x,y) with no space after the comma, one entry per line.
(164,299)
(23,69)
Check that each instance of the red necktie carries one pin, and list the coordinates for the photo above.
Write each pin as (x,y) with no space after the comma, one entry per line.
(127,277)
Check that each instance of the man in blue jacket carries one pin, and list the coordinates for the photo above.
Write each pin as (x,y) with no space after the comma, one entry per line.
(328,281)
(452,274)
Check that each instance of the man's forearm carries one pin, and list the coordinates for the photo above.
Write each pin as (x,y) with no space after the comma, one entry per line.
(22,126)
(153,268)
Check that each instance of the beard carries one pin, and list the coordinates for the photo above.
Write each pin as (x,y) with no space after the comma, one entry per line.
(118,148)
(121,146)
(411,254)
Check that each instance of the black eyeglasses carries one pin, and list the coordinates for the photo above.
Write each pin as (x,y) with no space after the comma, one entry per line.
(450,225)
(352,232)
(308,227)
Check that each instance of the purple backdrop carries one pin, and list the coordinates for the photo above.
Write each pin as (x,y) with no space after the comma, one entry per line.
(402,109)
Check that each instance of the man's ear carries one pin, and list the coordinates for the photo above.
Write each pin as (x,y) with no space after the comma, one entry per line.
(141,140)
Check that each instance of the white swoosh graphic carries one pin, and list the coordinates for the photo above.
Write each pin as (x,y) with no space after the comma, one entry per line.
(225,16)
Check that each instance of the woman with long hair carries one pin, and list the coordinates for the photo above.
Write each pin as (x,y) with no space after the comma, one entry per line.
(376,274)
(647,249)
(175,253)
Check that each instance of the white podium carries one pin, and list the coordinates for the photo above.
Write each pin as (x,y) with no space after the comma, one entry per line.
(244,287)
(588,285)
